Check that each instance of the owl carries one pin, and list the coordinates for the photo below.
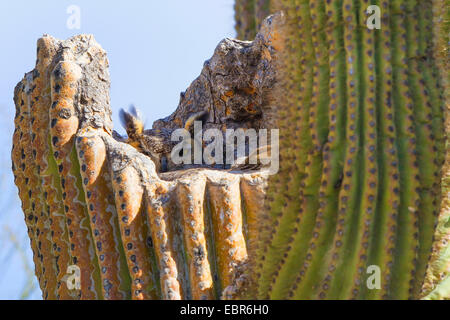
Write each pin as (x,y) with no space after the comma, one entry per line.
(155,143)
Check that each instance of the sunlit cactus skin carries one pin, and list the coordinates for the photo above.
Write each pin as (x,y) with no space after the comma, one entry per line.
(363,180)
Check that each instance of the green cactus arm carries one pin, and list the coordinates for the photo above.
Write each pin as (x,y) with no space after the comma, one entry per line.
(287,217)
(350,193)
(38,101)
(426,146)
(262,9)
(361,121)
(383,218)
(332,156)
(407,234)
(129,197)
(369,165)
(245,23)
(437,21)
(191,197)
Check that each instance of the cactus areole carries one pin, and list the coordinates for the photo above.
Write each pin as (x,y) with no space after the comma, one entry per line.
(358,207)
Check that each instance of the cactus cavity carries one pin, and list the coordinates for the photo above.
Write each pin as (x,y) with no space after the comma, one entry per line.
(370,158)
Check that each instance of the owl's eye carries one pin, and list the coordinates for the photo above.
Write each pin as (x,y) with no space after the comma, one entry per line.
(163,163)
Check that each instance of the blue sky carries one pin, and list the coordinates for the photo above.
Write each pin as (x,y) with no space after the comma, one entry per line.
(155,49)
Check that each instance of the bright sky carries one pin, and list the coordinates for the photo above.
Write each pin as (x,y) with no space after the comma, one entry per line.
(155,49)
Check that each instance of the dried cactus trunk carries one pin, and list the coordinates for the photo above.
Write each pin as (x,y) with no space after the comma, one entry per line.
(361,182)
(95,202)
(362,119)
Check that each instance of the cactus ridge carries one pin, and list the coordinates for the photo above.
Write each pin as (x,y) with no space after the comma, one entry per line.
(64,77)
(434,19)
(428,170)
(388,199)
(407,236)
(347,195)
(39,97)
(21,139)
(286,225)
(245,19)
(91,153)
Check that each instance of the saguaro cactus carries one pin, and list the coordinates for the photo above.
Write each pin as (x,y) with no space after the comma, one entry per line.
(94,202)
(362,185)
(359,188)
